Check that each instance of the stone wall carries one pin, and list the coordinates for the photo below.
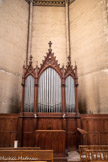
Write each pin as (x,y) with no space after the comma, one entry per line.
(48,25)
(89,48)
(13,42)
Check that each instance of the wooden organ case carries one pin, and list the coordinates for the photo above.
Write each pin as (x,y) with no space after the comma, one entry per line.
(49,114)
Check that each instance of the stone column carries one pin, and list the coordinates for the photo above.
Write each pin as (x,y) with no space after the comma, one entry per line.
(68,53)
(29,40)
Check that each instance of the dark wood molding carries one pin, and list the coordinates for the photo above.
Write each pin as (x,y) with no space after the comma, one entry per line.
(50,3)
(53,3)
(50,61)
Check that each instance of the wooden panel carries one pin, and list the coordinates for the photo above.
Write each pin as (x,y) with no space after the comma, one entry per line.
(101,125)
(106,125)
(51,139)
(71,138)
(84,124)
(28,132)
(8,129)
(90,125)
(3,124)
(102,139)
(97,127)
(28,124)
(8,124)
(51,124)
(71,124)
(28,139)
(106,139)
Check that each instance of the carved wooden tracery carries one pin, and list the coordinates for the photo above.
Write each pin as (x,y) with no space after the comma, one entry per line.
(50,62)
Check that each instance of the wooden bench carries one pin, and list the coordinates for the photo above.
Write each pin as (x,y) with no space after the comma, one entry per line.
(97,155)
(21,161)
(26,155)
(93,152)
(20,148)
(83,148)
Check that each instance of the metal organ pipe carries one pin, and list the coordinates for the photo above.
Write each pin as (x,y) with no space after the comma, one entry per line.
(44,90)
(70,94)
(29,94)
(49,92)
(55,91)
(47,89)
(52,91)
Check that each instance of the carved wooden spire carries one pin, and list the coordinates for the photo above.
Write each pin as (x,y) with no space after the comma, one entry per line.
(69,60)
(30,62)
(50,44)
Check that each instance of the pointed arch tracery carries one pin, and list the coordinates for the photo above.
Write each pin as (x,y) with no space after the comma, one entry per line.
(55,88)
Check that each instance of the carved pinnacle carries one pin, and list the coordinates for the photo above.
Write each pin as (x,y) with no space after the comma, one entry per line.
(50,44)
(30,59)
(69,59)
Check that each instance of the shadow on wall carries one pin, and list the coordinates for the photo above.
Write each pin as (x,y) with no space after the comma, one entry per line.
(15,104)
(82,106)
(96,87)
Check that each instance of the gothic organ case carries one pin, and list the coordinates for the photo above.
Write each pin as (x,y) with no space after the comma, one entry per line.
(49,114)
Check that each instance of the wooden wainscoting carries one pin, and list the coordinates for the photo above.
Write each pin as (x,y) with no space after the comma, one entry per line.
(97,128)
(8,129)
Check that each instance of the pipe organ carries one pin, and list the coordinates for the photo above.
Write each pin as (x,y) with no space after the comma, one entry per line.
(49,105)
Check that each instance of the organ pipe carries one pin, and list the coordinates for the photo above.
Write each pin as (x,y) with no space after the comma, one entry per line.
(29,94)
(49,92)
(70,94)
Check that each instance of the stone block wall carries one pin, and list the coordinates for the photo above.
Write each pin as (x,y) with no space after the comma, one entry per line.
(13,44)
(89,48)
(48,25)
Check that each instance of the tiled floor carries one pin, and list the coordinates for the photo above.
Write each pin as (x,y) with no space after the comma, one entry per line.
(73,156)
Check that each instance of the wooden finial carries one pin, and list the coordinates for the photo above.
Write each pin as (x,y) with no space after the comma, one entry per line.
(30,62)
(50,44)
(69,59)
